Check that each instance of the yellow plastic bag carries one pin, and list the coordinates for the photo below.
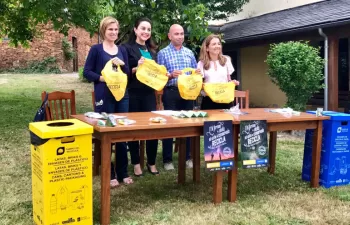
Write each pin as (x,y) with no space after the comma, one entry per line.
(189,86)
(152,74)
(116,80)
(220,92)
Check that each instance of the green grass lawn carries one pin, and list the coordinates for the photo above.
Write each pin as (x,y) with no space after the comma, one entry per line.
(262,198)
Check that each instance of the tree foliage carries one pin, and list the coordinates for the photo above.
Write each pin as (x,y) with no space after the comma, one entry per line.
(18,18)
(297,69)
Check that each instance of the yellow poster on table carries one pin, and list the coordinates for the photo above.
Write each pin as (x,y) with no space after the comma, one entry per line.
(220,92)
(116,80)
(152,74)
(189,86)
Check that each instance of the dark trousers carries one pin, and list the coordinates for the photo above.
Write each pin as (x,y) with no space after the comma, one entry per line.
(143,102)
(207,103)
(173,101)
(121,153)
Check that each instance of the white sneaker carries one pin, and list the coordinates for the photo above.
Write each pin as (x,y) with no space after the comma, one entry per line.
(189,163)
(169,166)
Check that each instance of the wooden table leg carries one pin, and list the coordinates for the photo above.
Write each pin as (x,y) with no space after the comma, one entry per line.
(316,155)
(232,174)
(182,161)
(235,141)
(97,157)
(196,152)
(272,152)
(105,180)
(217,188)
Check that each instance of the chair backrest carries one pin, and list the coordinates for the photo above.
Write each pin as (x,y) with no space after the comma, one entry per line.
(242,97)
(60,105)
(159,102)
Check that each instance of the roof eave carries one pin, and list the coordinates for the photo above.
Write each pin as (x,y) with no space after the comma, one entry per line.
(289,31)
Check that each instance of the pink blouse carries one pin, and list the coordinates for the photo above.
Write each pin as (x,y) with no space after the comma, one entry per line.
(220,75)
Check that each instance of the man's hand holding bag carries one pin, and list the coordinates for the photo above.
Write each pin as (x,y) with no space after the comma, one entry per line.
(190,86)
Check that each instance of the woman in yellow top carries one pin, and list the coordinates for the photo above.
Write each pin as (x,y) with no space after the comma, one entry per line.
(215,68)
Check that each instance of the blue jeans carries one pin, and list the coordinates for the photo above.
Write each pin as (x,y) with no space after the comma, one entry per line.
(110,105)
(173,101)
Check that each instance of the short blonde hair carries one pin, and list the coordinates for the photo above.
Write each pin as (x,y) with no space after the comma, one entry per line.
(105,22)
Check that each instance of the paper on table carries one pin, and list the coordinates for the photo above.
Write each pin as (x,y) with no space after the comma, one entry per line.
(164,112)
(119,117)
(97,115)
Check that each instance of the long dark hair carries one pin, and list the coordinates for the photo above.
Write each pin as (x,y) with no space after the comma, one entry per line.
(132,37)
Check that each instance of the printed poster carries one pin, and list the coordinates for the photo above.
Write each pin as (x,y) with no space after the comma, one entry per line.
(218,145)
(253,140)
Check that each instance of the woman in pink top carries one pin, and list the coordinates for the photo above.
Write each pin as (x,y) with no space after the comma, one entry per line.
(215,68)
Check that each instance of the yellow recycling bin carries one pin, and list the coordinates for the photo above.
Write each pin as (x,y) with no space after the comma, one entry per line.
(61,172)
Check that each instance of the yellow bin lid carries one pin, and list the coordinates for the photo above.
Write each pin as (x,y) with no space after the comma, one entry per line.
(60,128)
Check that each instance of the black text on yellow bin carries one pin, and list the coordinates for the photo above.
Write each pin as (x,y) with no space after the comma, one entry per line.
(61,172)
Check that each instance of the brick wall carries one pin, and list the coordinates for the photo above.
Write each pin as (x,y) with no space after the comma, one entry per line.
(49,43)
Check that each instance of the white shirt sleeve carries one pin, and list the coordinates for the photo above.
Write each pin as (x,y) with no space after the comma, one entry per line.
(229,66)
(200,66)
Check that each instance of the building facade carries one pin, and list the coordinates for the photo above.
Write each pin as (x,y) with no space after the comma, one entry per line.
(248,42)
(49,44)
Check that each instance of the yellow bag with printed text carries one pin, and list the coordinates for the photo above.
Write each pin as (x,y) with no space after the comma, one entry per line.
(220,92)
(152,74)
(116,80)
(189,86)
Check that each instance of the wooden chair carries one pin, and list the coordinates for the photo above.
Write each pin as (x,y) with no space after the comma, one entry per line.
(97,145)
(242,97)
(60,105)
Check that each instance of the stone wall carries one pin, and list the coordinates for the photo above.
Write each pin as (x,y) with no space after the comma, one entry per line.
(49,43)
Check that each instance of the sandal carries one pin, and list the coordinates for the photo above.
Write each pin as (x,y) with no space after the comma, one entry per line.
(114,183)
(128,180)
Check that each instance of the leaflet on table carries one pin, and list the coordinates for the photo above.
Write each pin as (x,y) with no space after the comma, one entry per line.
(182,113)
(103,115)
(218,145)
(253,135)
(164,112)
(112,122)
(189,114)
(284,111)
(157,119)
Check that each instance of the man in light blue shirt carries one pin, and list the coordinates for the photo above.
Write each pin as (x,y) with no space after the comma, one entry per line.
(175,58)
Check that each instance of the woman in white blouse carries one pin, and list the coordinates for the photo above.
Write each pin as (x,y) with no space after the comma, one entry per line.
(215,68)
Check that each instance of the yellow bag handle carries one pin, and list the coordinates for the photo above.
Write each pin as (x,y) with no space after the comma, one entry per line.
(153,63)
(109,67)
(188,69)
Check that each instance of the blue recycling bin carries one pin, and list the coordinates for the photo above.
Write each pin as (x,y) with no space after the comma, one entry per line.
(335,154)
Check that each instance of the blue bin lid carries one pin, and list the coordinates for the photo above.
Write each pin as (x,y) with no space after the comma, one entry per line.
(334,115)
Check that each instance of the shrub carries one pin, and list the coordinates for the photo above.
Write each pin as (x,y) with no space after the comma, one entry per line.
(296,68)
(48,65)
(81,75)
(68,50)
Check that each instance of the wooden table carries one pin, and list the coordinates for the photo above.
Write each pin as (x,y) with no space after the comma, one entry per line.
(145,130)
(193,127)
(278,122)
